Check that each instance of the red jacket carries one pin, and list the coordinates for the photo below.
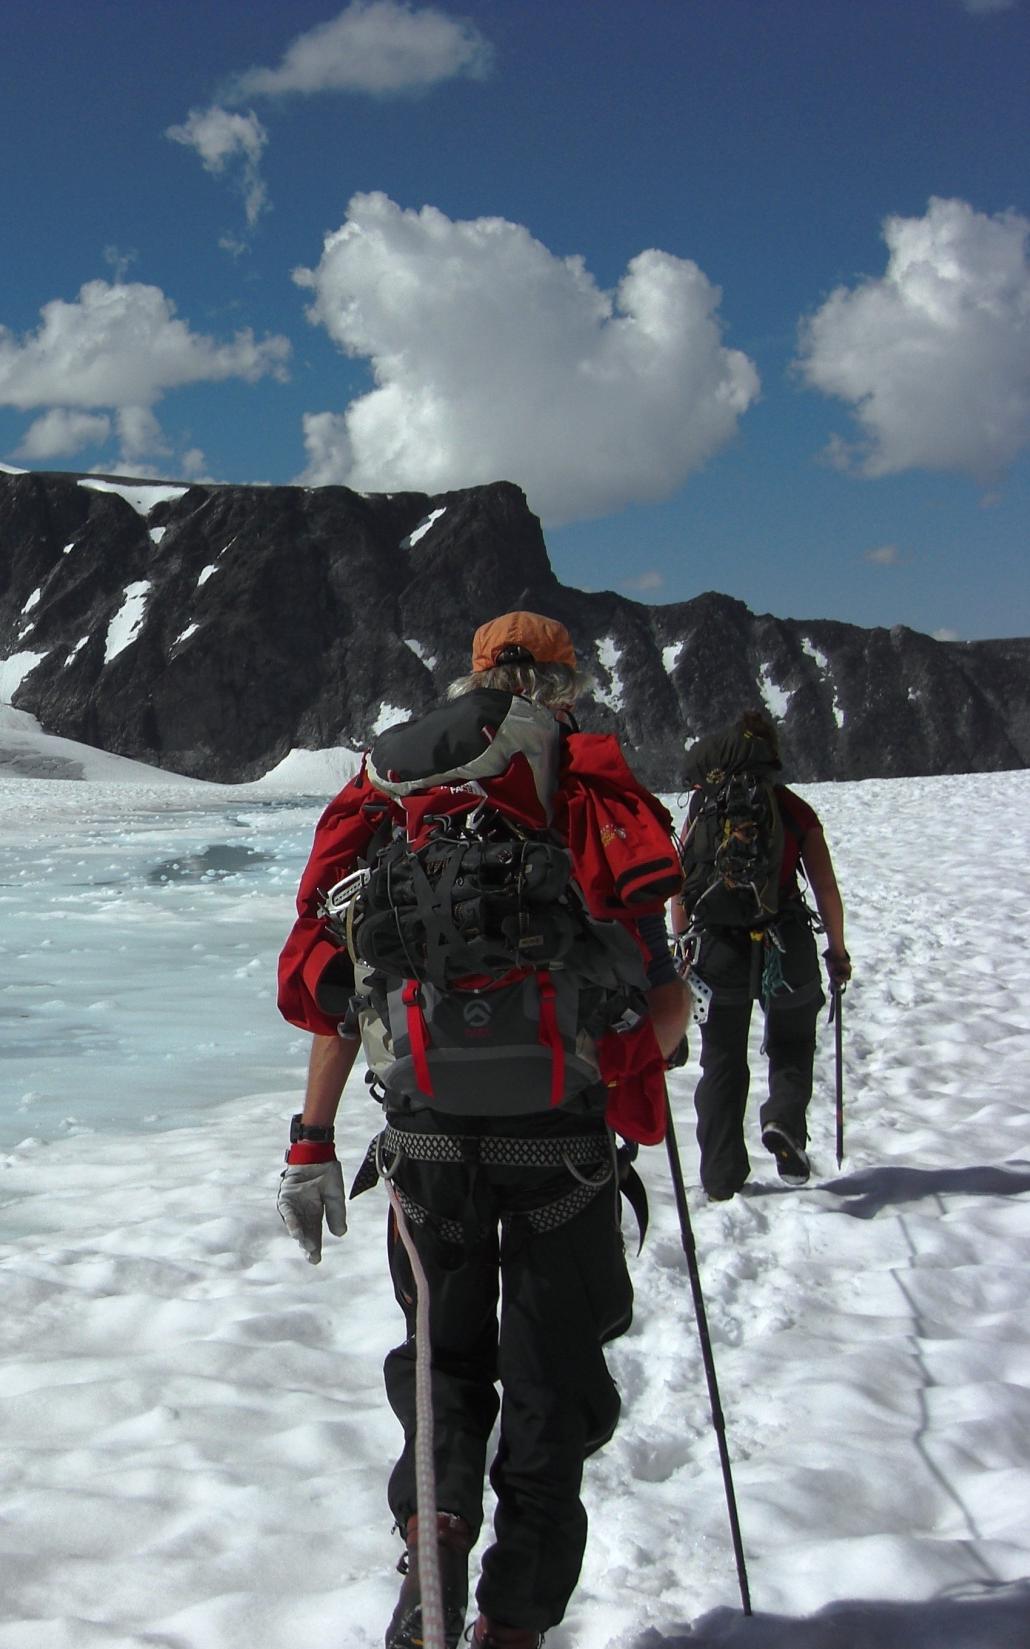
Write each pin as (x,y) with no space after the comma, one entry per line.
(623,857)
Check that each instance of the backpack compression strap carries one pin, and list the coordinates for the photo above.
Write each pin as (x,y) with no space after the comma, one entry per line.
(418,1035)
(550,1035)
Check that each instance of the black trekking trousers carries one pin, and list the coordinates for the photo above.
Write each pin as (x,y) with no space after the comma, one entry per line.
(725,962)
(532,1310)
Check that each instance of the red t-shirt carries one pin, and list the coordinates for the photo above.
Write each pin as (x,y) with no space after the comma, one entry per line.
(798,820)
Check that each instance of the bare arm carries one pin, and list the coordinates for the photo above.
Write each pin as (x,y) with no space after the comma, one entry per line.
(680,917)
(329,1066)
(670,1009)
(815,856)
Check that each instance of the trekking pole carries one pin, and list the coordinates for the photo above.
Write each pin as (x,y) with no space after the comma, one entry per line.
(836,994)
(706,1353)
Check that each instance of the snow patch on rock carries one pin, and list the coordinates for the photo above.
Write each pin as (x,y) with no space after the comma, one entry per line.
(823,662)
(124,626)
(13,672)
(609,656)
(423,527)
(388,716)
(142,498)
(421,653)
(777,702)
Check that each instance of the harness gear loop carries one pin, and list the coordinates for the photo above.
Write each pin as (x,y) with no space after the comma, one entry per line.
(386,1174)
(601,1178)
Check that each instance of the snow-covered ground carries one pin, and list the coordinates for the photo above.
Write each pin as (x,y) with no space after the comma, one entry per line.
(195,1442)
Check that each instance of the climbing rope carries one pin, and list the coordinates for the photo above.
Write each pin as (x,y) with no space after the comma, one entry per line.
(425,1472)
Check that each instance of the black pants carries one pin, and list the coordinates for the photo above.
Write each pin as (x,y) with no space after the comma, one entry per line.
(562,1294)
(726,962)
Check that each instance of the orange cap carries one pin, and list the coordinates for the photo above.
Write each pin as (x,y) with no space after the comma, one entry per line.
(540,640)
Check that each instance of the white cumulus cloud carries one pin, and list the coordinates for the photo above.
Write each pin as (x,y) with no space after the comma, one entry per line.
(495,359)
(61,432)
(228,143)
(194,465)
(141,435)
(99,364)
(377,46)
(122,346)
(934,355)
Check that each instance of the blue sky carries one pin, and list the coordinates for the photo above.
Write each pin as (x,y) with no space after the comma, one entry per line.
(738,290)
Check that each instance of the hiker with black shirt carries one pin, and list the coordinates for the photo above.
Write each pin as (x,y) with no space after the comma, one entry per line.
(769,954)
(513,1213)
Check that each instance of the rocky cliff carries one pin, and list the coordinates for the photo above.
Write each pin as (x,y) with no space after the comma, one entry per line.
(211,629)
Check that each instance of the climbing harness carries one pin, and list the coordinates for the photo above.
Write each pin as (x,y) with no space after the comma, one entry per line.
(573,1153)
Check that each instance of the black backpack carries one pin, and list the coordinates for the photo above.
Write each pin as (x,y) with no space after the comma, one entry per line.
(483,982)
(732,842)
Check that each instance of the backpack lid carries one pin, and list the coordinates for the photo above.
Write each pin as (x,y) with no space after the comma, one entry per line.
(468,740)
(712,760)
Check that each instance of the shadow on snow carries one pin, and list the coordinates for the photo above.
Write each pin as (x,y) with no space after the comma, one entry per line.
(989,1615)
(874,1189)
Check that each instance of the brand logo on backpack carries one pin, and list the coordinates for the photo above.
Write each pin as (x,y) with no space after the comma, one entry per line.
(477,1014)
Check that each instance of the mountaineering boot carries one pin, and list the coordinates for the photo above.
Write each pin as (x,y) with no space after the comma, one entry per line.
(792,1162)
(490,1634)
(454,1542)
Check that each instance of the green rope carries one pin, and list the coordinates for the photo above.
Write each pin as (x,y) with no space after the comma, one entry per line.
(772,974)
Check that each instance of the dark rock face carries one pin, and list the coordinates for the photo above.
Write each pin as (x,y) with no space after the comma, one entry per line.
(212,629)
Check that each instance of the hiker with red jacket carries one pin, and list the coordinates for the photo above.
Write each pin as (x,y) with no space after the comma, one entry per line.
(772,959)
(512,1210)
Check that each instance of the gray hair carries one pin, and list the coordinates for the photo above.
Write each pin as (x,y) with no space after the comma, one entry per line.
(555,686)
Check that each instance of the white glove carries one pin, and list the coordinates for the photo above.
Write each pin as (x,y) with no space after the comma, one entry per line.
(306,1192)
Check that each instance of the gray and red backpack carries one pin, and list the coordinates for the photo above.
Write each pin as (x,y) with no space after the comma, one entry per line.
(490,918)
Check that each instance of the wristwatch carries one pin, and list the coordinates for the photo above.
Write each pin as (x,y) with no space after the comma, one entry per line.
(300,1130)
